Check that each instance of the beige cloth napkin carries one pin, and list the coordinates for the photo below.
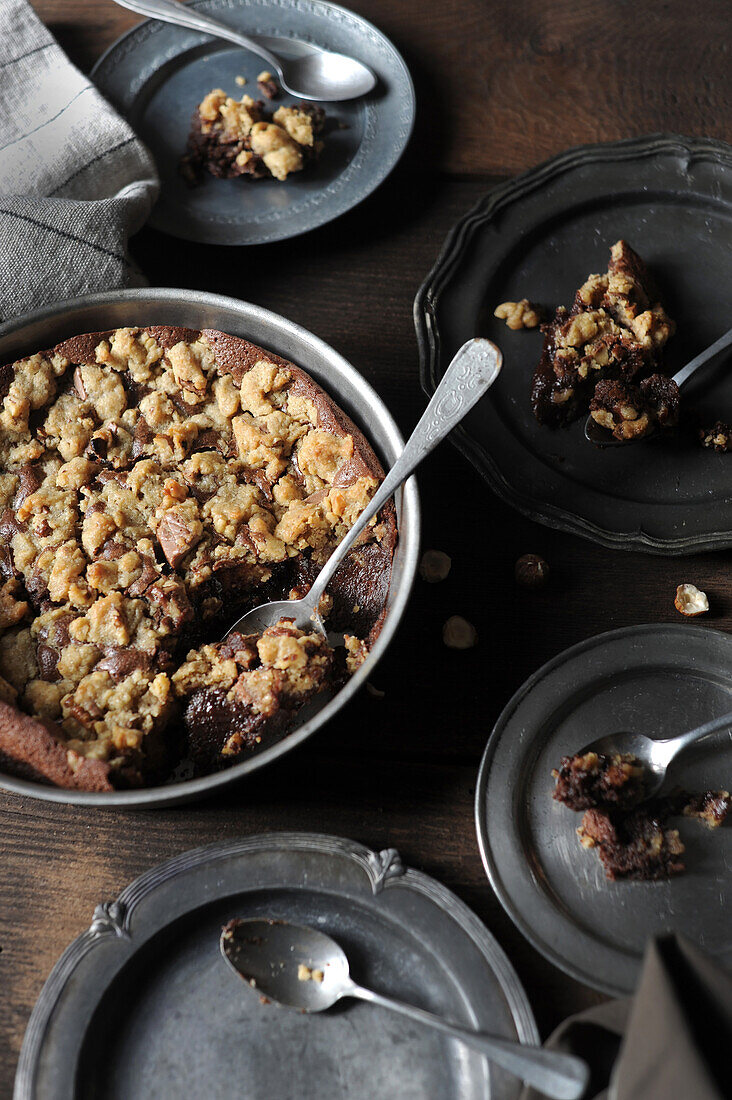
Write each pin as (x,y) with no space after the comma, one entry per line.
(671,1041)
(75,181)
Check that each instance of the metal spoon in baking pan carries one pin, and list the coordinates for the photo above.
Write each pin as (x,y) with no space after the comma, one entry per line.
(471,373)
(298,967)
(315,74)
(603,437)
(655,756)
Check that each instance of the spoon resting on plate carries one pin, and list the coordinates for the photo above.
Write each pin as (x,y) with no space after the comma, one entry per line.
(603,437)
(294,966)
(471,373)
(318,74)
(654,756)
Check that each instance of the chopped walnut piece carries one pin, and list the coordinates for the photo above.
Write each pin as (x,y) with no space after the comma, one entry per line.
(518,315)
(690,600)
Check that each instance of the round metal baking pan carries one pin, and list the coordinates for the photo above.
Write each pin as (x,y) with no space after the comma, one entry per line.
(141,1004)
(660,680)
(196,309)
(538,236)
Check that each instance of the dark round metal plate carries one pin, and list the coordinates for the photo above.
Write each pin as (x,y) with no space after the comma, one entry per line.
(142,1004)
(659,680)
(157,74)
(538,237)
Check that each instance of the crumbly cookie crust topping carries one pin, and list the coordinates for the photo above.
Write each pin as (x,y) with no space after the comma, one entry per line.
(144,485)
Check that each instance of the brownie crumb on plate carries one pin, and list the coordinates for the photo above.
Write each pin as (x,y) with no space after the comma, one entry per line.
(237,138)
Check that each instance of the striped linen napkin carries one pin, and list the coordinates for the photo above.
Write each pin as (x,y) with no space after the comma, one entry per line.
(75,181)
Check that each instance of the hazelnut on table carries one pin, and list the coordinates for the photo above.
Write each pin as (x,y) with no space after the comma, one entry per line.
(458,633)
(690,600)
(531,571)
(434,566)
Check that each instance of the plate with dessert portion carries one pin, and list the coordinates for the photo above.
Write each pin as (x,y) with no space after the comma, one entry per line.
(241,161)
(599,274)
(162,474)
(142,1003)
(584,865)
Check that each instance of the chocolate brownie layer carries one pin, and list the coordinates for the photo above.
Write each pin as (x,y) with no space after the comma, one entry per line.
(156,483)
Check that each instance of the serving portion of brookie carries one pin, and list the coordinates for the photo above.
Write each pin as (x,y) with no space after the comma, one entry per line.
(157,482)
(233,138)
(615,330)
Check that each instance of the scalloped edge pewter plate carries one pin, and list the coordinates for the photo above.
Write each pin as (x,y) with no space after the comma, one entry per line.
(672,198)
(166,924)
(198,309)
(156,74)
(661,679)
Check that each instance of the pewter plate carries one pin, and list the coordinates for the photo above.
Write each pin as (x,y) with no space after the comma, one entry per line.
(142,1004)
(660,680)
(538,237)
(157,74)
(196,309)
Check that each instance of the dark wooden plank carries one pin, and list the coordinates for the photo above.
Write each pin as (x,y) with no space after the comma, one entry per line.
(502,85)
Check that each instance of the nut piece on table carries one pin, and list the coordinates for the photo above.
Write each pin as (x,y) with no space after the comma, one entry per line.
(690,600)
(531,571)
(458,633)
(518,315)
(434,566)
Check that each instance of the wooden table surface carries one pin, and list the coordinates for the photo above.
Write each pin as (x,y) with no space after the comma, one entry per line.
(501,85)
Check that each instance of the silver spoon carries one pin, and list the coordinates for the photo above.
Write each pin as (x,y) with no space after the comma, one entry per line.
(603,437)
(655,756)
(298,967)
(317,74)
(473,371)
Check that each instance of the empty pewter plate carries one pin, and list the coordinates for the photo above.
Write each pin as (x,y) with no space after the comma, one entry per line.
(157,74)
(658,680)
(142,1004)
(538,237)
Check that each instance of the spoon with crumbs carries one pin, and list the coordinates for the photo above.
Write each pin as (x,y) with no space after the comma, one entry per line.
(603,436)
(632,763)
(294,966)
(471,373)
(316,74)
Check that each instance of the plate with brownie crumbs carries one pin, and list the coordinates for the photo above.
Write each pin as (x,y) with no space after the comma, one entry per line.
(584,867)
(143,1005)
(240,160)
(599,274)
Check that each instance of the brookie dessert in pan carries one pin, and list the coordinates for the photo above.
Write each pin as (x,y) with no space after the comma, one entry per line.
(156,483)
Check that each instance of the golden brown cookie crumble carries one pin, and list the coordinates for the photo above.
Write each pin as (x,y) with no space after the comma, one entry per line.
(237,137)
(156,483)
